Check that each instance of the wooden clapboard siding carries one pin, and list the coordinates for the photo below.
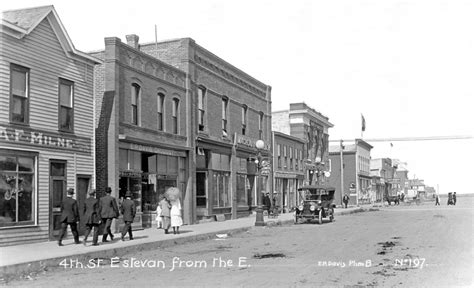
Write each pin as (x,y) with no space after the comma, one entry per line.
(42,53)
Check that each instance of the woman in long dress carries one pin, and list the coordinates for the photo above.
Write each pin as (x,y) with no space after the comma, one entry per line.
(175,213)
(165,214)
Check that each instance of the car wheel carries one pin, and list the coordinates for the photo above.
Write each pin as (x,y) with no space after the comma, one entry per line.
(320,217)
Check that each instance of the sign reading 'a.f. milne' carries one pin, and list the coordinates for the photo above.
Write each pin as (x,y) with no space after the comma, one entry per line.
(44,139)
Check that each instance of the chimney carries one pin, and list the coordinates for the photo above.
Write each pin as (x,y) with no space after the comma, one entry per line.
(132,40)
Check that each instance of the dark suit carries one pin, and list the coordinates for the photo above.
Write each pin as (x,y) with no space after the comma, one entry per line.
(91,211)
(108,211)
(69,216)
(128,211)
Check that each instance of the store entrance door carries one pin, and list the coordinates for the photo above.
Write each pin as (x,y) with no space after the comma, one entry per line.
(57,192)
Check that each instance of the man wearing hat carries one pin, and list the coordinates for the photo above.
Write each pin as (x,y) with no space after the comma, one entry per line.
(69,216)
(91,211)
(108,211)
(128,211)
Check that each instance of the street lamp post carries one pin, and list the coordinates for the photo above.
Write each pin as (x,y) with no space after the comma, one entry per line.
(259,217)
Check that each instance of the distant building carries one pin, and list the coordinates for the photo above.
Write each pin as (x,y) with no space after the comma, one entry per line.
(356,170)
(388,183)
(304,122)
(288,167)
(46,124)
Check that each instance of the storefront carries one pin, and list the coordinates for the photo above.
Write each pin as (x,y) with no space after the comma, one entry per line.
(147,172)
(286,190)
(36,168)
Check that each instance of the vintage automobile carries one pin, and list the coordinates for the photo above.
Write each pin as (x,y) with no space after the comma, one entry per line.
(317,203)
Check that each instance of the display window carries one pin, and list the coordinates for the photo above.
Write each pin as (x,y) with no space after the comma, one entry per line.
(17,189)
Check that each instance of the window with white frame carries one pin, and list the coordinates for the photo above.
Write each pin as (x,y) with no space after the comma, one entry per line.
(19,93)
(66,104)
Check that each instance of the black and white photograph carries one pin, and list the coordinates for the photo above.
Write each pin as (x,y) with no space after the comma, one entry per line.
(207,143)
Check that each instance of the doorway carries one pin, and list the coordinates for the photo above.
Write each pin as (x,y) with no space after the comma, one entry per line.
(82,189)
(57,192)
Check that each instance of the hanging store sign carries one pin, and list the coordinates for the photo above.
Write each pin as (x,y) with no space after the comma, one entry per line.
(44,139)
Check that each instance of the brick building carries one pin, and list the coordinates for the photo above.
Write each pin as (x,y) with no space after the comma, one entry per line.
(142,127)
(304,122)
(288,169)
(46,124)
(355,170)
(223,112)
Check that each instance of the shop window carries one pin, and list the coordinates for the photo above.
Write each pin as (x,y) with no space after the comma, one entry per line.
(66,105)
(19,93)
(17,189)
(201,198)
(220,182)
(243,186)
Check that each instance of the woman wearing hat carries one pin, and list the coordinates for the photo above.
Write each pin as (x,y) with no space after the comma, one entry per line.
(165,213)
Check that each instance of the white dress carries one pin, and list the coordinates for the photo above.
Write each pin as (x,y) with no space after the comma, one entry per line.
(175,213)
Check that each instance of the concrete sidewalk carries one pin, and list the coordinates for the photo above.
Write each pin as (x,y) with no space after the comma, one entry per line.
(20,259)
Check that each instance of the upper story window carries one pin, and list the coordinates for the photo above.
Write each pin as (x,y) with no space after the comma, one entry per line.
(225,102)
(279,155)
(285,164)
(201,109)
(136,90)
(160,110)
(175,116)
(291,158)
(66,105)
(20,93)
(260,125)
(244,119)
(296,159)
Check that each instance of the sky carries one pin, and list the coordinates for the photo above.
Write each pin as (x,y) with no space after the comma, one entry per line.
(406,66)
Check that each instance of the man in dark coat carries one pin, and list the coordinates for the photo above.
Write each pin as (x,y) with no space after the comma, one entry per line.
(69,216)
(108,211)
(91,211)
(267,203)
(128,211)
(345,199)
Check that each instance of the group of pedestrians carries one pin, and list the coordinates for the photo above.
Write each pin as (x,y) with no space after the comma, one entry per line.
(168,211)
(99,214)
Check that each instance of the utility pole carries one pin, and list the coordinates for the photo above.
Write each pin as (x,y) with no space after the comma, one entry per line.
(342,170)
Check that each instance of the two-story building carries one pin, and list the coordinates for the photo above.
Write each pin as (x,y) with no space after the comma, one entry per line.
(355,168)
(223,111)
(142,127)
(46,124)
(288,169)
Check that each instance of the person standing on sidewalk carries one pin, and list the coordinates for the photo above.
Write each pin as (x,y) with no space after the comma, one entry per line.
(175,213)
(108,211)
(437,200)
(91,211)
(454,198)
(165,214)
(345,199)
(69,216)
(128,210)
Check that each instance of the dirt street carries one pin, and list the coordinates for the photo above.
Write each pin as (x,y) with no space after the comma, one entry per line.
(406,246)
